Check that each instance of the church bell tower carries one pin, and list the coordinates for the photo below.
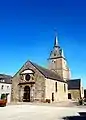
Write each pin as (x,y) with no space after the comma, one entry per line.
(57,61)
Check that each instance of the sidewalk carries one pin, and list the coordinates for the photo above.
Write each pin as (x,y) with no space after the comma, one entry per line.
(57,104)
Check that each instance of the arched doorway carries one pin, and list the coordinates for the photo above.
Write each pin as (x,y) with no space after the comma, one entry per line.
(69,95)
(52,96)
(26,97)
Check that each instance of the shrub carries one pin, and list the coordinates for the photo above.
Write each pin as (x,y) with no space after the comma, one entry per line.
(48,100)
(3,96)
(80,101)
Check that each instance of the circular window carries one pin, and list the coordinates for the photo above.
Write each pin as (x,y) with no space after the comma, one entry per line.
(27,77)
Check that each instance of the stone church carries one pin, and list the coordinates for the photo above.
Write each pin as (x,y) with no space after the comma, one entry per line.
(35,83)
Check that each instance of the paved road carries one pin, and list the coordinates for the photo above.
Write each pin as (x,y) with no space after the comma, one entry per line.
(36,112)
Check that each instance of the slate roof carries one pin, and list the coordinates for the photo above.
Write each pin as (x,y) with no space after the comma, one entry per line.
(74,84)
(5,78)
(47,73)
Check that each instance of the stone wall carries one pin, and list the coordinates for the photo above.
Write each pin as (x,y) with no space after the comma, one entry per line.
(39,87)
(15,88)
(60,95)
(75,94)
(60,66)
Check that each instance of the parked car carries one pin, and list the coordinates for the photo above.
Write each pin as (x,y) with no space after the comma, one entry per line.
(3,102)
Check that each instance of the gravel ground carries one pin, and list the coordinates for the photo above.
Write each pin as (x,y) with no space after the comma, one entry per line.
(36,112)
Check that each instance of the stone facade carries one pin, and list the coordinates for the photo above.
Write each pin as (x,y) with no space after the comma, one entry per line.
(60,93)
(75,94)
(75,89)
(41,88)
(37,85)
(60,66)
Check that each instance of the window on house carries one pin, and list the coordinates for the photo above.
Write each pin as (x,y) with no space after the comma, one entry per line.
(2,86)
(2,80)
(56,86)
(64,88)
(7,87)
(7,94)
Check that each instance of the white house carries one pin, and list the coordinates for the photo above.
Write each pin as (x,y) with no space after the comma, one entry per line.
(5,86)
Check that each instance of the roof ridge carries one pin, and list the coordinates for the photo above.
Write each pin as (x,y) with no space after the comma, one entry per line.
(5,74)
(36,66)
(42,66)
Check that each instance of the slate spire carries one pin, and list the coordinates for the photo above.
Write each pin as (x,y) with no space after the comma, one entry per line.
(56,41)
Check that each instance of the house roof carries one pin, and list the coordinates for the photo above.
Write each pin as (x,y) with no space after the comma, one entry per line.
(5,78)
(74,84)
(47,73)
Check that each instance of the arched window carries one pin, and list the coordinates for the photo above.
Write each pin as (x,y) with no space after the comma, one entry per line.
(56,86)
(2,86)
(64,87)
